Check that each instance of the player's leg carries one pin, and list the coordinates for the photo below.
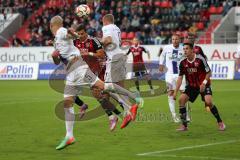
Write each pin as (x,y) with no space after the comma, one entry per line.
(149,81)
(189,94)
(82,106)
(171,85)
(183,99)
(171,103)
(213,108)
(108,107)
(69,122)
(182,88)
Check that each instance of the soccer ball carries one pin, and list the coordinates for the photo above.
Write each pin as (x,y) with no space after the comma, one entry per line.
(82,10)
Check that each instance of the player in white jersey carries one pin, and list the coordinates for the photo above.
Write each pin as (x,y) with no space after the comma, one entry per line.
(115,64)
(170,58)
(78,74)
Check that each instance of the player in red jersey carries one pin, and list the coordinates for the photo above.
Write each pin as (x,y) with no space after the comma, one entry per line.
(93,54)
(197,49)
(197,73)
(138,64)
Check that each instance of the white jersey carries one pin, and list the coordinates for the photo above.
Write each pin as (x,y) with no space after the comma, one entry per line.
(65,45)
(171,57)
(114,32)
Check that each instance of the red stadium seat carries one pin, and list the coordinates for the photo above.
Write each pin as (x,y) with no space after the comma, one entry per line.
(124,35)
(130,35)
(200,25)
(212,10)
(165,4)
(157,4)
(219,10)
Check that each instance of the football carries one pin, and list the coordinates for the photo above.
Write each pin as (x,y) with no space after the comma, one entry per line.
(82,10)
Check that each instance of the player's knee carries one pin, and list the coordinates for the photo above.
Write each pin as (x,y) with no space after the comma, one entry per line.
(208,103)
(182,101)
(68,102)
(170,93)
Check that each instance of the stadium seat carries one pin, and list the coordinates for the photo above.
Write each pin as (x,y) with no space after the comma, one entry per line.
(212,10)
(200,25)
(157,3)
(219,10)
(130,35)
(165,4)
(124,35)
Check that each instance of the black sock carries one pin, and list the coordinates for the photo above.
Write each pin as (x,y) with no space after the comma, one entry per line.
(78,101)
(107,106)
(137,85)
(150,83)
(116,111)
(183,115)
(214,111)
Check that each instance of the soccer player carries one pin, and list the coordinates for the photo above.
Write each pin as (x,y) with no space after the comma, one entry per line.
(93,54)
(170,57)
(78,74)
(115,64)
(197,73)
(197,49)
(138,64)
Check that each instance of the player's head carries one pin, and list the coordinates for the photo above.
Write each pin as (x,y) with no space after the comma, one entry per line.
(188,49)
(55,23)
(82,32)
(135,42)
(108,19)
(190,37)
(175,40)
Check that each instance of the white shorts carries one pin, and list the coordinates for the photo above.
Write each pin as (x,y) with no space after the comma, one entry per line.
(76,78)
(171,81)
(115,69)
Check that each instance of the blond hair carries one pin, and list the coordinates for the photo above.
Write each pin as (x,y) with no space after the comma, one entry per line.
(57,20)
(109,18)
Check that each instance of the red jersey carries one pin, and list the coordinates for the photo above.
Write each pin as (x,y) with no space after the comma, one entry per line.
(195,71)
(198,50)
(137,54)
(92,44)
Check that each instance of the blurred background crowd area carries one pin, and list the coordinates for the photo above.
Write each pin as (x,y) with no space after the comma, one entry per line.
(151,21)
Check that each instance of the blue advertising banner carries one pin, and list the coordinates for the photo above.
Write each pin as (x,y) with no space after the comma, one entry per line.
(50,70)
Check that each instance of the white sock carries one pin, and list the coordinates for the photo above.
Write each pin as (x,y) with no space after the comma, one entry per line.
(69,121)
(171,103)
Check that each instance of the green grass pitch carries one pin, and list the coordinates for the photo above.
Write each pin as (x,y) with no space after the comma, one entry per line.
(30,130)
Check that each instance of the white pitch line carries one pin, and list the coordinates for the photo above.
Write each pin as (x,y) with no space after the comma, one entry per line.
(190,147)
(195,157)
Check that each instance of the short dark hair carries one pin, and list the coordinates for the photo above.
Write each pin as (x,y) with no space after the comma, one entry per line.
(189,44)
(81,27)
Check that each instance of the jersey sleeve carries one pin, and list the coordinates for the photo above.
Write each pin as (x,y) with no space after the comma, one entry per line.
(145,50)
(181,69)
(96,44)
(162,57)
(106,32)
(129,51)
(205,64)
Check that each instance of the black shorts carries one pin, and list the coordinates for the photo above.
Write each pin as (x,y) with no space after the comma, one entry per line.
(139,70)
(140,73)
(193,93)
